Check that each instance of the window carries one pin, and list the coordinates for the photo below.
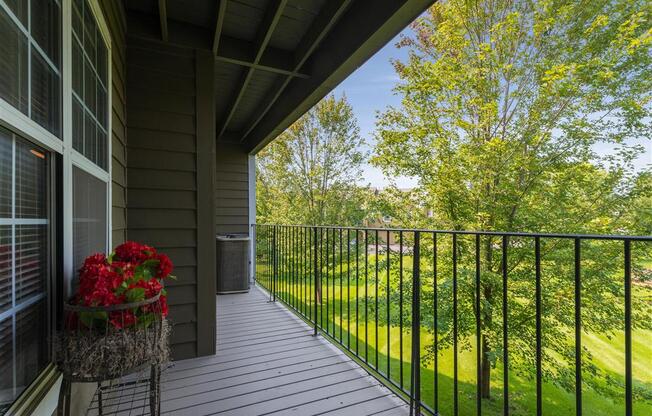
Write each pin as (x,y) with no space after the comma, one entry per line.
(67,130)
(89,216)
(24,265)
(30,59)
(89,80)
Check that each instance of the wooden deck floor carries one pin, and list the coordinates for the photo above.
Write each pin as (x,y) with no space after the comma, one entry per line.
(268,363)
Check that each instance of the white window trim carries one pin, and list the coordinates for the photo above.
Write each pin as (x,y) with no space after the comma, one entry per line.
(13,119)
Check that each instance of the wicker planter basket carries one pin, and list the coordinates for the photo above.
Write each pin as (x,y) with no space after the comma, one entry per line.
(105,343)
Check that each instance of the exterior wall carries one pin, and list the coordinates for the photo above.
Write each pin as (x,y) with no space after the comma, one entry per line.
(170,167)
(231,189)
(114,14)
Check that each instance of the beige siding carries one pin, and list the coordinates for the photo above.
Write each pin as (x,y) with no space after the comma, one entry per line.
(231,189)
(115,17)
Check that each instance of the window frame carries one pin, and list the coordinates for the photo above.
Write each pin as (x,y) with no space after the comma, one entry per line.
(49,294)
(13,119)
(14,115)
(72,157)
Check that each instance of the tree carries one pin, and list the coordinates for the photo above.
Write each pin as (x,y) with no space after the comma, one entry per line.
(502,106)
(309,174)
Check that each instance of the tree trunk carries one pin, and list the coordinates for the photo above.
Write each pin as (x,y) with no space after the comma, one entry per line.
(485,384)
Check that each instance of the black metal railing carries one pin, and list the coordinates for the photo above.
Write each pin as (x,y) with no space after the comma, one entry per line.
(462,322)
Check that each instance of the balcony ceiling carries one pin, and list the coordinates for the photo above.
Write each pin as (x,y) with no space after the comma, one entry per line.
(274,59)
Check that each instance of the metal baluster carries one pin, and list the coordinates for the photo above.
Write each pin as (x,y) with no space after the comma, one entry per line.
(389,352)
(321,279)
(400,306)
(455,324)
(295,268)
(275,261)
(304,244)
(366,298)
(505,338)
(328,325)
(376,300)
(628,329)
(341,291)
(478,329)
(357,287)
(415,373)
(578,328)
(348,289)
(334,255)
(316,278)
(435,321)
(537,295)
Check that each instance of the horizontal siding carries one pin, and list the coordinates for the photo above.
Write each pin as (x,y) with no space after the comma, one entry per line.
(162,178)
(115,17)
(154,198)
(231,193)
(143,138)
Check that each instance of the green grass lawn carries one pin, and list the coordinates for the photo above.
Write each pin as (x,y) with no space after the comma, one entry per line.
(608,353)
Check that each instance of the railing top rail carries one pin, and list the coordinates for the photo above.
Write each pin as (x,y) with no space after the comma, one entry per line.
(466,232)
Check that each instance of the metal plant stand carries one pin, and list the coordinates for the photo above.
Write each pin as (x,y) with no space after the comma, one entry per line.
(98,344)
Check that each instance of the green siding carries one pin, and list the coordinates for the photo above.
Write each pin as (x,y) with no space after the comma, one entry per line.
(114,15)
(166,170)
(231,189)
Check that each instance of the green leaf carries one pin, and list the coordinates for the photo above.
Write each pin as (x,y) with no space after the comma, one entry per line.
(151,263)
(145,320)
(121,289)
(135,294)
(89,318)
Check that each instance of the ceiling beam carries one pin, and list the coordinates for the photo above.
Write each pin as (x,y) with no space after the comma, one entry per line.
(219,24)
(318,29)
(163,16)
(365,27)
(266,28)
(240,52)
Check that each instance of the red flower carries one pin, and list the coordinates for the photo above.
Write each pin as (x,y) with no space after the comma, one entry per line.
(97,258)
(164,266)
(133,252)
(164,305)
(104,284)
(122,319)
(152,287)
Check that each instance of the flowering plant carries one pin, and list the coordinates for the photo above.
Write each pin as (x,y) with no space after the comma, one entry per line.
(132,273)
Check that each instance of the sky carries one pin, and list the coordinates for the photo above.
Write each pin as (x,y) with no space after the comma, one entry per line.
(369,90)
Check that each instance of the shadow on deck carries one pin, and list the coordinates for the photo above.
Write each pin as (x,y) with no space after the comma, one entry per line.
(268,363)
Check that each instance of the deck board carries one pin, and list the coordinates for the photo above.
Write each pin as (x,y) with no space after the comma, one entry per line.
(267,363)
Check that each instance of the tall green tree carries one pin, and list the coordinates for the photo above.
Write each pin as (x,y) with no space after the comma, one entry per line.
(309,174)
(503,104)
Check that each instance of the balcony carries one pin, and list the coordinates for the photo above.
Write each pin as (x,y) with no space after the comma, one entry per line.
(268,363)
(335,326)
(470,323)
